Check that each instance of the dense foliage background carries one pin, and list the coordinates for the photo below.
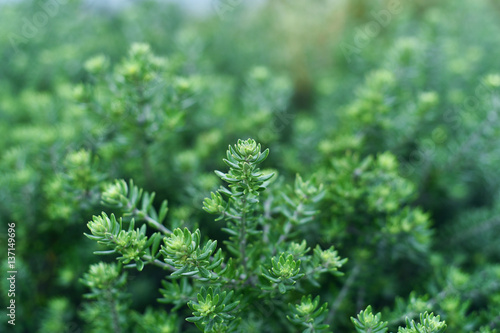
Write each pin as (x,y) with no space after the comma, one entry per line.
(392,105)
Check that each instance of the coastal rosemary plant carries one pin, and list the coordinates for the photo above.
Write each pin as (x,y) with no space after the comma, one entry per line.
(390,154)
(264,277)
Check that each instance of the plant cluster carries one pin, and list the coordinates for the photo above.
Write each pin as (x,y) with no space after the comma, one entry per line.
(221,288)
(367,199)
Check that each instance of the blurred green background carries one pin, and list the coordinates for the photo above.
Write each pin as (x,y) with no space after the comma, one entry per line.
(311,80)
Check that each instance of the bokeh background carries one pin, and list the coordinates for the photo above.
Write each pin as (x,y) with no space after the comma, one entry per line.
(311,80)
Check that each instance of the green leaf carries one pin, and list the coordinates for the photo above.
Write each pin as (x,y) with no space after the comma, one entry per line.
(163,211)
(140,265)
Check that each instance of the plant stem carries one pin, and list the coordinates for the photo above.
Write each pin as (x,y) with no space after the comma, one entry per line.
(157,225)
(243,235)
(343,293)
(114,314)
(288,226)
(136,212)
(266,228)
(283,236)
(158,263)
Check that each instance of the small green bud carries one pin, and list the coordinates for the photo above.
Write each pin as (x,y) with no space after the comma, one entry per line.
(96,65)
(215,204)
(140,49)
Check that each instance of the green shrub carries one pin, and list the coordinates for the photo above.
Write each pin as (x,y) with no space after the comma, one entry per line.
(366,201)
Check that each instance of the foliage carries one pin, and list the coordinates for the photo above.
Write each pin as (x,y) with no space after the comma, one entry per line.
(309,315)
(243,274)
(368,322)
(370,183)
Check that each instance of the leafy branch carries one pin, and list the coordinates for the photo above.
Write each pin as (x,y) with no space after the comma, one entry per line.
(246,181)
